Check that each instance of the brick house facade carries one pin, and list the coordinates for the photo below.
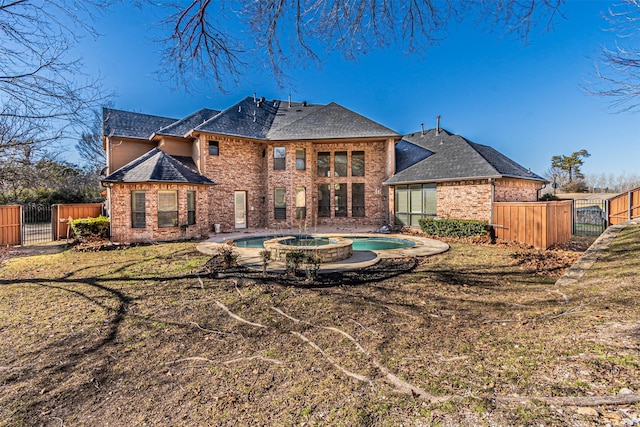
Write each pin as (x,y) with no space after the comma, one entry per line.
(258,164)
(277,165)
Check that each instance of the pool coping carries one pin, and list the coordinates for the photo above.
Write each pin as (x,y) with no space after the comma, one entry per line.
(250,257)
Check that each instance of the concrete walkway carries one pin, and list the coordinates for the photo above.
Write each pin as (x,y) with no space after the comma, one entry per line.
(250,257)
(586,261)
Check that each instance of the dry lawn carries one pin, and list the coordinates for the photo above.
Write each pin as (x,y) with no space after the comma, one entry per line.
(479,335)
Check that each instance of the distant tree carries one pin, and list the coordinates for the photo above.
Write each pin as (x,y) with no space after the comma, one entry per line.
(557,176)
(89,146)
(222,40)
(618,68)
(570,164)
(611,183)
(28,175)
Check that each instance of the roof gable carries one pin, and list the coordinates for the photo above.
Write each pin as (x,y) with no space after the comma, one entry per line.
(157,166)
(331,121)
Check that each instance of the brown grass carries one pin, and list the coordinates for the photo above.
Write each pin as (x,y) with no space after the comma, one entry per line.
(138,337)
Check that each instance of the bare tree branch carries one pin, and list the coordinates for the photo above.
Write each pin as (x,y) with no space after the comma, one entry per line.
(202,45)
(41,87)
(617,71)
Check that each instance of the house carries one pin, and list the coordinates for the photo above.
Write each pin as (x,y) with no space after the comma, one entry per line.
(258,164)
(282,164)
(439,174)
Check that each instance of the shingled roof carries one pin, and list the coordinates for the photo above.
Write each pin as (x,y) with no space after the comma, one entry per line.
(282,121)
(331,121)
(246,118)
(455,158)
(183,126)
(253,118)
(157,166)
(132,125)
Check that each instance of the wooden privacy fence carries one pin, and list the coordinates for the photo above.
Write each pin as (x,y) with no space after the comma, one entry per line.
(624,207)
(62,213)
(539,224)
(10,225)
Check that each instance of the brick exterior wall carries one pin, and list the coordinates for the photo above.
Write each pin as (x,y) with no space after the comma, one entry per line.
(464,200)
(516,190)
(120,209)
(239,166)
(244,165)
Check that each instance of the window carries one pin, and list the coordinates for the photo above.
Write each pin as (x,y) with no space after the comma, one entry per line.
(357,200)
(340,196)
(167,209)
(214,149)
(340,163)
(301,203)
(279,158)
(279,203)
(357,163)
(191,207)
(324,164)
(301,159)
(324,200)
(414,202)
(138,214)
(429,200)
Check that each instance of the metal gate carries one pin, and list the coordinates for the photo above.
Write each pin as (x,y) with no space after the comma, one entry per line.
(590,216)
(37,226)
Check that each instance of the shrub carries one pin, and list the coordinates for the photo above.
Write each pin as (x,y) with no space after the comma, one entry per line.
(91,227)
(548,196)
(227,255)
(453,227)
(292,261)
(312,265)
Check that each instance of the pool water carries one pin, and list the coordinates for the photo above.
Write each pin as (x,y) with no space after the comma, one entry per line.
(379,243)
(359,243)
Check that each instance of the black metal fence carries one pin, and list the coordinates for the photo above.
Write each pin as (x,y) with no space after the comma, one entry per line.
(590,217)
(37,224)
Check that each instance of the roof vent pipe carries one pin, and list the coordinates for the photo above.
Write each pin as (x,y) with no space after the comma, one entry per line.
(255,97)
(289,100)
(422,127)
(437,125)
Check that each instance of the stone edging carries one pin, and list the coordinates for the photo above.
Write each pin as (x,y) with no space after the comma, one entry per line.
(586,261)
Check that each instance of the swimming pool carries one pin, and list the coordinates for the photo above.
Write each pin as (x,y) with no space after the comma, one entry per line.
(360,243)
(379,243)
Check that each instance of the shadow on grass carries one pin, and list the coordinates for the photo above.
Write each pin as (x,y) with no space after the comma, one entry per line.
(54,373)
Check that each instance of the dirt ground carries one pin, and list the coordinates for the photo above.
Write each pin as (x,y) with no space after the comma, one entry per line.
(479,335)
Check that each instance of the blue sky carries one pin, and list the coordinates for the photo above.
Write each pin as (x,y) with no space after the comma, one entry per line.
(526,101)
